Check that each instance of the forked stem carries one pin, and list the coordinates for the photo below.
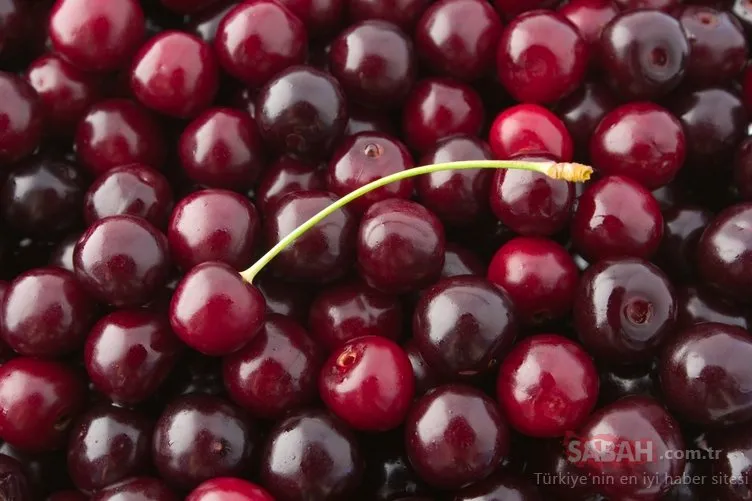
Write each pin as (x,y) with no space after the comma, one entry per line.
(565,171)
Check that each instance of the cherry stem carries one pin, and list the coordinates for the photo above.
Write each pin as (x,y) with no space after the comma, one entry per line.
(564,171)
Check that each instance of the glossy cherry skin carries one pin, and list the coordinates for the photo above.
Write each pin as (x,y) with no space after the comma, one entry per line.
(621,381)
(311,455)
(723,252)
(366,157)
(46,313)
(713,394)
(498,487)
(403,13)
(743,169)
(325,252)
(213,225)
(321,17)
(176,74)
(640,140)
(624,309)
(96,35)
(302,112)
(129,353)
(697,306)
(529,129)
(374,62)
(400,246)
(365,120)
(460,261)
(214,311)
(733,462)
(141,488)
(426,378)
(539,276)
(368,382)
(644,424)
(463,325)
(276,372)
(352,309)
(22,114)
(62,254)
(257,40)
(510,9)
(388,474)
(590,17)
(200,437)
(455,424)
(38,402)
(222,148)
(616,216)
(122,260)
(286,175)
(683,226)
(108,444)
(292,302)
(118,132)
(228,489)
(437,108)
(583,110)
(461,50)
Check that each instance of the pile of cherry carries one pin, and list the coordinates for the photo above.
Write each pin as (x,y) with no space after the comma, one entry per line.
(446,337)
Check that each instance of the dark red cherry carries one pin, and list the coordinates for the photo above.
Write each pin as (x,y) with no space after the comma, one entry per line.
(118,132)
(205,24)
(616,216)
(282,298)
(664,5)
(463,325)
(222,148)
(38,402)
(311,455)
(403,13)
(62,254)
(374,62)
(583,110)
(22,115)
(213,225)
(364,120)
(683,226)
(463,50)
(45,313)
(15,483)
(426,378)
(460,261)
(388,474)
(641,426)
(590,17)
(129,353)
(697,306)
(529,129)
(624,309)
(230,489)
(539,276)
(437,108)
(276,372)
(639,140)
(345,311)
(734,460)
(214,311)
(724,250)
(257,40)
(286,175)
(510,9)
(458,197)
(325,252)
(455,424)
(188,6)
(96,35)
(141,488)
(108,444)
(321,17)
(500,487)
(368,382)
(400,246)
(743,169)
(122,260)
(301,111)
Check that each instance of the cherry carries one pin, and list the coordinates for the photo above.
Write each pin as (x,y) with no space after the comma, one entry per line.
(321,17)
(538,275)
(188,6)
(118,132)
(15,482)
(639,140)
(228,489)
(683,226)
(733,461)
(22,115)
(108,444)
(582,111)
(257,40)
(141,488)
(213,225)
(129,354)
(644,53)
(301,111)
(550,457)
(743,169)
(222,148)
(311,454)
(322,254)
(664,5)
(280,297)
(367,120)
(204,24)
(286,175)
(388,472)
(214,311)
(374,62)
(351,309)
(461,50)
(96,35)
(529,129)
(460,261)
(455,436)
(437,108)
(276,372)
(45,313)
(68,496)
(403,13)
(697,306)
(616,216)
(624,309)
(590,17)
(400,246)
(122,260)
(38,402)
(62,255)
(426,378)
(457,197)
(500,486)
(512,8)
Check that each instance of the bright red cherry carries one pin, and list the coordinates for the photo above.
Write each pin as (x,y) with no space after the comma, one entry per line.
(228,489)
(590,17)
(21,113)
(529,129)
(547,386)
